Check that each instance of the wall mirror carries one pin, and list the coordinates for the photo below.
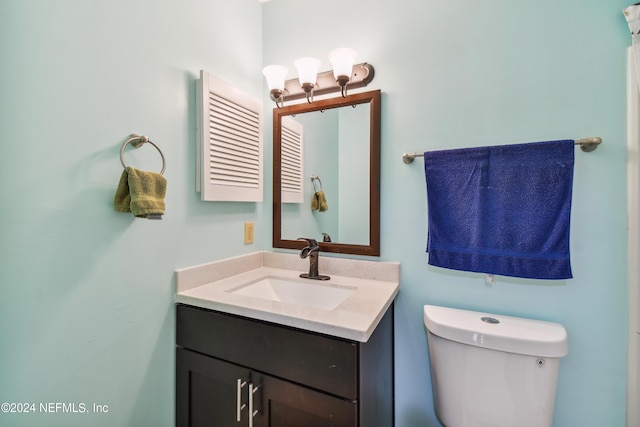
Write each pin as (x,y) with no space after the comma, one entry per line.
(338,141)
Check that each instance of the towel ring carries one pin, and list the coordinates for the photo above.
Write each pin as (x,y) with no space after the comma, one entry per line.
(137,141)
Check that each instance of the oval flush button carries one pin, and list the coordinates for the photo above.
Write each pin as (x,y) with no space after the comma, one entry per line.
(489,320)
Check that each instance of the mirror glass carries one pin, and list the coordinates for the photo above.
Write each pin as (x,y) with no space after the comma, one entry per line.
(327,173)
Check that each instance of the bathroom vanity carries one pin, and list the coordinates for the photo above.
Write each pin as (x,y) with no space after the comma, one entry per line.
(248,359)
(231,367)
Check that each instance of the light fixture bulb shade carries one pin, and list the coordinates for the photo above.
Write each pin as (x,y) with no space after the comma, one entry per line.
(342,61)
(307,70)
(275,75)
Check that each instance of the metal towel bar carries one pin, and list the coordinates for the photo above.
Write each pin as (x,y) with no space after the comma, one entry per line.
(586,144)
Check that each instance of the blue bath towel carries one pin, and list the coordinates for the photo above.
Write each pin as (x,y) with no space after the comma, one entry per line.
(501,210)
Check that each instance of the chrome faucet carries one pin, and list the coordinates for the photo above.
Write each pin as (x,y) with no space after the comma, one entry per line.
(311,250)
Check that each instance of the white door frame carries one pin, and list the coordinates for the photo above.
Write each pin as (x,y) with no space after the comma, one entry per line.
(633,242)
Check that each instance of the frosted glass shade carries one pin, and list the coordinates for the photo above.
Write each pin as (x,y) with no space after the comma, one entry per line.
(275,75)
(342,61)
(307,70)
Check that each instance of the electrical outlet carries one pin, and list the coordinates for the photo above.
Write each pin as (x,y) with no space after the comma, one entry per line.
(248,232)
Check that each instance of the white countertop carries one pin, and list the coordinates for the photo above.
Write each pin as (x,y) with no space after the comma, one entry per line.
(376,285)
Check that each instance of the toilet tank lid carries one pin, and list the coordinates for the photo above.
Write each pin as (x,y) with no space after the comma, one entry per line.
(511,334)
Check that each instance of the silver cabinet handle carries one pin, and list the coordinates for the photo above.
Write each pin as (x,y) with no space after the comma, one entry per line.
(239,405)
(252,413)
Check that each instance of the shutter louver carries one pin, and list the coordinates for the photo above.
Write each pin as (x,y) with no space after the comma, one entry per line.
(292,183)
(230,146)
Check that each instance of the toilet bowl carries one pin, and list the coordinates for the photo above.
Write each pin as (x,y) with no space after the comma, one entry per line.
(489,370)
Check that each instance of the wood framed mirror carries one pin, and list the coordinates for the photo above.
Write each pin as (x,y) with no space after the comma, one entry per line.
(338,141)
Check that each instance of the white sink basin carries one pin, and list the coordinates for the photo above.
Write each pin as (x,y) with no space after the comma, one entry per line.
(306,292)
(267,286)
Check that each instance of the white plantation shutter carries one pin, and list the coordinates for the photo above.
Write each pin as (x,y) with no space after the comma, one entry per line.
(229,148)
(292,183)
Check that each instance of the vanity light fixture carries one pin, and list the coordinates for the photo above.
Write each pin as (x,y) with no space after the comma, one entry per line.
(342,61)
(307,75)
(310,82)
(275,75)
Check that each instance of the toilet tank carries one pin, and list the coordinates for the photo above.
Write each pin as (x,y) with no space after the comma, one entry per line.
(490,370)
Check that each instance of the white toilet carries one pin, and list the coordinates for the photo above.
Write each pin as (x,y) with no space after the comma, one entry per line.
(492,370)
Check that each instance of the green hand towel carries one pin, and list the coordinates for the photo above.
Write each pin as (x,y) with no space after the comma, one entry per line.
(141,193)
(319,202)
(122,199)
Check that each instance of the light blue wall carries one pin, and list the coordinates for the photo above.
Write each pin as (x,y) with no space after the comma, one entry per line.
(86,312)
(467,73)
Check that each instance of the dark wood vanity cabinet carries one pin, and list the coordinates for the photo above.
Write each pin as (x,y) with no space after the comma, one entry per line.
(236,371)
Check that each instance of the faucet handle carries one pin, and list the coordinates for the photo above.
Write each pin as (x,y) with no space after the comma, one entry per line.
(310,241)
(312,246)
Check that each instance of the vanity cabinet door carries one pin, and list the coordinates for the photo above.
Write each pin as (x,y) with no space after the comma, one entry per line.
(207,391)
(285,404)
